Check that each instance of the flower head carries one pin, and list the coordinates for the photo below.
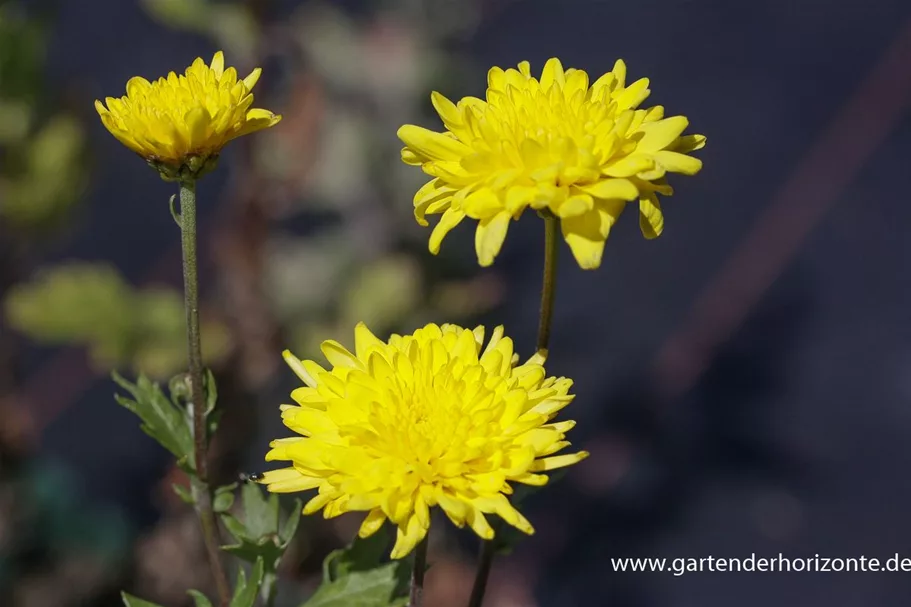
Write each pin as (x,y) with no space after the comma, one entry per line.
(560,144)
(185,120)
(428,419)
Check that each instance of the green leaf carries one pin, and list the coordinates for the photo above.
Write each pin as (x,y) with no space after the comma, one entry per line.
(161,418)
(356,576)
(224,498)
(260,534)
(199,598)
(245,592)
(184,494)
(379,587)
(289,528)
(260,511)
(132,601)
(211,392)
(250,549)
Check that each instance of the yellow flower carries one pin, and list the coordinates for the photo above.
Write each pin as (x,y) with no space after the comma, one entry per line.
(179,119)
(427,419)
(557,145)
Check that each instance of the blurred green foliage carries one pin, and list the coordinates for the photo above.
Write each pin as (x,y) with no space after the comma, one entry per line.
(47,517)
(42,160)
(91,304)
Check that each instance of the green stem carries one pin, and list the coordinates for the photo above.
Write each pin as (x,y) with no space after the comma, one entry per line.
(548,286)
(548,290)
(485,562)
(200,483)
(417,574)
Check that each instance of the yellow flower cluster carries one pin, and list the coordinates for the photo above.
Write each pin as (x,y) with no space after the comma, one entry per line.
(185,119)
(438,418)
(423,420)
(561,145)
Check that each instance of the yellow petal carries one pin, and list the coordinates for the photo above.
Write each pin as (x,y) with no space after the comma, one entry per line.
(298,368)
(478,523)
(447,110)
(364,341)
(138,86)
(633,95)
(629,166)
(558,461)
(339,356)
(251,80)
(651,219)
(688,143)
(482,204)
(518,197)
(619,72)
(450,219)
(552,73)
(372,523)
(431,144)
(586,233)
(658,135)
(408,538)
(676,162)
(197,121)
(576,205)
(622,189)
(489,237)
(218,64)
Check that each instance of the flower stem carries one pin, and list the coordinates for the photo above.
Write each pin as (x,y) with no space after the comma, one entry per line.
(548,286)
(485,561)
(548,290)
(417,574)
(202,493)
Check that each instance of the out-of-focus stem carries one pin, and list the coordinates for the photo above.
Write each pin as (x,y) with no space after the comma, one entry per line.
(417,574)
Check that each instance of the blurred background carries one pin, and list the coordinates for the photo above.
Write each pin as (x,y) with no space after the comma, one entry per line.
(744,382)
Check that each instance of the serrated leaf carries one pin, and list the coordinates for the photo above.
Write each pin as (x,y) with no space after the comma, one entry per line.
(184,494)
(199,598)
(378,587)
(245,592)
(260,512)
(161,419)
(261,536)
(132,601)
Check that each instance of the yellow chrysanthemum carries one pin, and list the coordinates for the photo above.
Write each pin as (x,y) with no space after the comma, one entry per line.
(579,151)
(179,118)
(427,419)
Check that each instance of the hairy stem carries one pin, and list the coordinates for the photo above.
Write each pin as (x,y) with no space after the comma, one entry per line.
(202,493)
